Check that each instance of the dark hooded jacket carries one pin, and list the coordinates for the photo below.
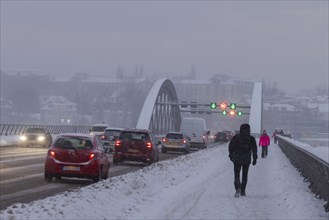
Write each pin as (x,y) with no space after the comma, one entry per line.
(242,146)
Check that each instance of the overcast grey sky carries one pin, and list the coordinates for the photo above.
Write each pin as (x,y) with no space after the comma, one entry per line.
(282,41)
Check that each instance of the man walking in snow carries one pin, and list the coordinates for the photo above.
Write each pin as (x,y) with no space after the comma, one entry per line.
(240,148)
(264,141)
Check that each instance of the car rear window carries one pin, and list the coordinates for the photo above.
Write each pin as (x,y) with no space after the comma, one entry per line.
(112,133)
(221,134)
(73,143)
(98,128)
(134,136)
(174,136)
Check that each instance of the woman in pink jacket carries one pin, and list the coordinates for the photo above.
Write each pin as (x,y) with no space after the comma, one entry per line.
(264,141)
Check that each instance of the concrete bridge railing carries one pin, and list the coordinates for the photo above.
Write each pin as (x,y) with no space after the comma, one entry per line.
(313,169)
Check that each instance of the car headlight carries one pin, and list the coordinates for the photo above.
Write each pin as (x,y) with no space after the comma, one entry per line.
(41,138)
(23,138)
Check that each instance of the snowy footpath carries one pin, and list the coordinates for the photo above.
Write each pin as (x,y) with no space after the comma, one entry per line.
(193,186)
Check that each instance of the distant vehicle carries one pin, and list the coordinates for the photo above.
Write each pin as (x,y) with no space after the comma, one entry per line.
(230,134)
(221,137)
(35,137)
(176,141)
(98,129)
(136,145)
(109,137)
(196,130)
(77,155)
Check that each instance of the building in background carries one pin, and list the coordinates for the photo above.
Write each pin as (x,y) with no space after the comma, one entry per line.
(58,110)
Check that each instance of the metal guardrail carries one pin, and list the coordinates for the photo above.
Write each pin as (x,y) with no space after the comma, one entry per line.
(16,129)
(313,169)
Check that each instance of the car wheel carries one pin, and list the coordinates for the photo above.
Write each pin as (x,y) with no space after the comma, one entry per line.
(48,178)
(99,176)
(115,161)
(58,177)
(105,176)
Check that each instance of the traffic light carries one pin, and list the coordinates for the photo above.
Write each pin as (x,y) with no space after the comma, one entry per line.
(224,112)
(232,105)
(223,105)
(213,105)
(232,112)
(239,113)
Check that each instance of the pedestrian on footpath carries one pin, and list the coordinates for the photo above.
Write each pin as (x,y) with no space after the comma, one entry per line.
(275,137)
(240,149)
(264,142)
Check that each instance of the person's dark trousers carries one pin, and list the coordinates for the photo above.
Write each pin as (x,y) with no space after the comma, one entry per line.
(237,182)
(264,151)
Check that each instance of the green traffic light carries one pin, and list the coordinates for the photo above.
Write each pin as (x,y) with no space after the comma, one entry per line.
(213,105)
(233,106)
(239,113)
(224,112)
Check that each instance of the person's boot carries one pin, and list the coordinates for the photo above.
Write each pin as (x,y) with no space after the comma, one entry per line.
(243,192)
(237,193)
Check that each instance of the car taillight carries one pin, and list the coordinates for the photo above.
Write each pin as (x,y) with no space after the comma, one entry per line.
(91,156)
(51,153)
(103,137)
(148,144)
(164,140)
(118,143)
(183,141)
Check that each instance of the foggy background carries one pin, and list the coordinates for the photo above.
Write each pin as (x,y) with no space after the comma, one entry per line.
(275,41)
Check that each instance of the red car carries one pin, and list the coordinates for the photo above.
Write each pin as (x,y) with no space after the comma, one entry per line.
(136,145)
(77,155)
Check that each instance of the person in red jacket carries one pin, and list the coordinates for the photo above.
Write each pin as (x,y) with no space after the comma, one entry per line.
(264,141)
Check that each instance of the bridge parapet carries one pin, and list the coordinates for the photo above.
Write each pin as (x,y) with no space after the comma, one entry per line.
(313,169)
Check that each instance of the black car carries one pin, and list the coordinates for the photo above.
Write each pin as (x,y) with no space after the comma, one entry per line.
(35,137)
(221,137)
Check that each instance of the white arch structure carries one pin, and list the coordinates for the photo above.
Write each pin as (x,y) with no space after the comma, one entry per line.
(160,118)
(256,109)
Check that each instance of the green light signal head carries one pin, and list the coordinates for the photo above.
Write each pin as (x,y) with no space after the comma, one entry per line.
(239,113)
(233,106)
(213,105)
(224,112)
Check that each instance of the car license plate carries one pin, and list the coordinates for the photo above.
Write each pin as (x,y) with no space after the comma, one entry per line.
(71,168)
(174,143)
(132,151)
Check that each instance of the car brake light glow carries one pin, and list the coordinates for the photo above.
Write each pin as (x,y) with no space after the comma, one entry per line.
(148,144)
(103,137)
(92,156)
(183,141)
(164,140)
(52,153)
(118,143)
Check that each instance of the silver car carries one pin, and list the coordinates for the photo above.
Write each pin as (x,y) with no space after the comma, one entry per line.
(176,141)
(109,137)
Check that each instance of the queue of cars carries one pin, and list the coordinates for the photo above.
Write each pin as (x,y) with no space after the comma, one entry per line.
(82,155)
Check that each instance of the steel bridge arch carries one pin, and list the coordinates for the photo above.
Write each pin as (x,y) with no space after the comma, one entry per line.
(160,118)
